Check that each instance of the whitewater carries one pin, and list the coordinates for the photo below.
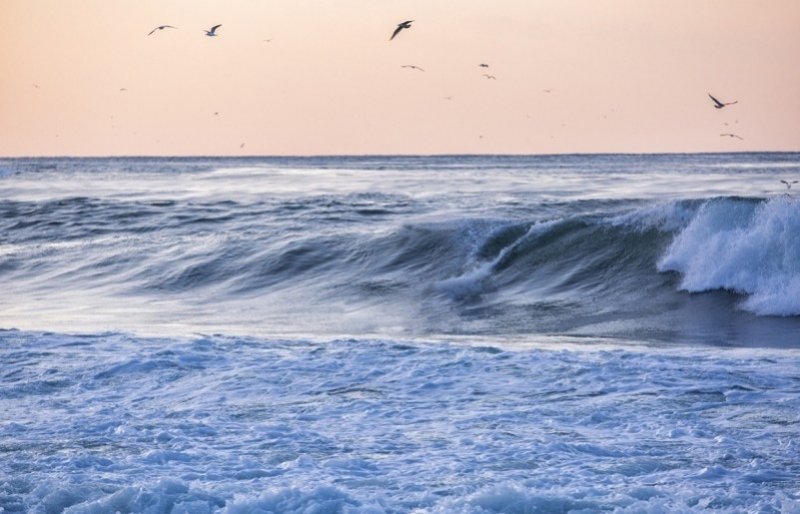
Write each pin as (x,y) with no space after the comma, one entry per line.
(468,334)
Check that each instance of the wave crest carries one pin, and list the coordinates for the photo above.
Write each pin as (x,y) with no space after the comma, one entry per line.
(745,247)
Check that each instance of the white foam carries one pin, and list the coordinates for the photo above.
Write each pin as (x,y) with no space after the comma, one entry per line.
(323,499)
(238,426)
(751,249)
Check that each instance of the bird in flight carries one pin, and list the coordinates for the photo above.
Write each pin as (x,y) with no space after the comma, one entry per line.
(483,65)
(213,30)
(161,27)
(411,66)
(401,26)
(490,77)
(728,134)
(788,184)
(720,105)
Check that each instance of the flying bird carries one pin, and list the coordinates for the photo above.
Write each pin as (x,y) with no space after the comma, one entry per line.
(482,65)
(731,135)
(161,27)
(411,66)
(213,30)
(401,26)
(720,105)
(490,77)
(788,184)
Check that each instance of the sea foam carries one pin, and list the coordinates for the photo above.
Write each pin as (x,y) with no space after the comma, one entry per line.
(746,247)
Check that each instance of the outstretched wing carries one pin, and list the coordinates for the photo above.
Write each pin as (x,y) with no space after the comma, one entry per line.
(214,28)
(400,26)
(716,102)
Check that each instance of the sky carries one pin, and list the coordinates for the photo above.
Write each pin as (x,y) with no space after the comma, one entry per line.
(321,77)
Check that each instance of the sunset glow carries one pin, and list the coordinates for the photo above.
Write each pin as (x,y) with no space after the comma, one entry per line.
(302,77)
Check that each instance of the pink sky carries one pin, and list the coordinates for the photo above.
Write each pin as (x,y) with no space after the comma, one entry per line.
(623,75)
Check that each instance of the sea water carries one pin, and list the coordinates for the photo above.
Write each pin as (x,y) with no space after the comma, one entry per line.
(470,334)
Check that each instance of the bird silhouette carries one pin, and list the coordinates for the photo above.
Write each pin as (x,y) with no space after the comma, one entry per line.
(213,30)
(788,184)
(411,66)
(483,65)
(728,134)
(720,105)
(490,77)
(161,27)
(401,26)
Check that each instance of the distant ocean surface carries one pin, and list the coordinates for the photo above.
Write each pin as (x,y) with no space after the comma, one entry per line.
(450,334)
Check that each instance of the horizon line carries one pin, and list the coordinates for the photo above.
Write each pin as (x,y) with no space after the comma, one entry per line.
(382,155)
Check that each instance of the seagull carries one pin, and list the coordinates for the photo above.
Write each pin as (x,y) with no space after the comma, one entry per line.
(161,27)
(731,135)
(720,105)
(482,65)
(212,32)
(401,26)
(412,67)
(490,77)
(788,184)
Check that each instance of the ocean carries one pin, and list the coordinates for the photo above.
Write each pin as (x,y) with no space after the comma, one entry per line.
(400,334)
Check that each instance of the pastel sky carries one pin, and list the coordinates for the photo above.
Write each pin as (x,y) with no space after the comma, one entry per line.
(82,77)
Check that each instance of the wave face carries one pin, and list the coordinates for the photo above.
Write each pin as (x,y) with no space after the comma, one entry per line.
(630,247)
